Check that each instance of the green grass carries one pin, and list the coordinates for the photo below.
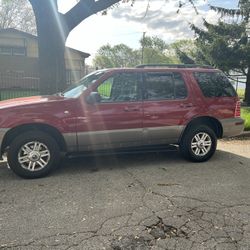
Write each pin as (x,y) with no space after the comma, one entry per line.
(241,93)
(105,89)
(9,94)
(245,114)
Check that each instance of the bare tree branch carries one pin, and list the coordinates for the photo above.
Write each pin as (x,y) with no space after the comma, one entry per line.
(17,14)
(84,9)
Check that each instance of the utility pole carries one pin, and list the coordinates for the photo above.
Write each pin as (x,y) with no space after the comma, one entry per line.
(142,49)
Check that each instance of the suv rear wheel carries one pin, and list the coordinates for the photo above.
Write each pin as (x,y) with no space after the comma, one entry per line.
(33,154)
(198,143)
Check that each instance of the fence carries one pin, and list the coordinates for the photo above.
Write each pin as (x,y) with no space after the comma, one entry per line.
(239,80)
(17,84)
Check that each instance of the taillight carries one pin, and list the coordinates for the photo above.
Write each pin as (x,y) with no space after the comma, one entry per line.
(237,109)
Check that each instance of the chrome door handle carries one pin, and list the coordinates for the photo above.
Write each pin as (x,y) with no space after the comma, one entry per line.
(186,105)
(128,109)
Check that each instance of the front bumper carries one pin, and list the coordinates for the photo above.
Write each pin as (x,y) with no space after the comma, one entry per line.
(3,132)
(232,126)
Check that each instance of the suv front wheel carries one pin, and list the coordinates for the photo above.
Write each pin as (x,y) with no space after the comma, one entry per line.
(33,154)
(198,143)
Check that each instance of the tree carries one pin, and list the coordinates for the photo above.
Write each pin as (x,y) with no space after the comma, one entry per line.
(17,14)
(154,50)
(117,56)
(226,45)
(154,42)
(184,50)
(53,28)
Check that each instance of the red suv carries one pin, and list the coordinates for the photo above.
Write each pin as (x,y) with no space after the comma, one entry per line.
(120,109)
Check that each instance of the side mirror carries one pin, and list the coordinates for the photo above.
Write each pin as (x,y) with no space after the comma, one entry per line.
(93,98)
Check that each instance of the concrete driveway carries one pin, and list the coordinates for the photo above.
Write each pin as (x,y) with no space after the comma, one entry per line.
(144,201)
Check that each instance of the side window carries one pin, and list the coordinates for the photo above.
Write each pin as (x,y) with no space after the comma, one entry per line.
(180,87)
(159,86)
(214,84)
(119,88)
(164,86)
(105,89)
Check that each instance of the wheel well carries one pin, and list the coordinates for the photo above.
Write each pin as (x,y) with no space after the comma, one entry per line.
(52,131)
(208,121)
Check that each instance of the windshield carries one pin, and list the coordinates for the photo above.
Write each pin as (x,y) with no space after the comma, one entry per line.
(77,88)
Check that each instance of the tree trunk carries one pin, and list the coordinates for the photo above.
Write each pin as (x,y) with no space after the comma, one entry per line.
(53,28)
(52,35)
(247,90)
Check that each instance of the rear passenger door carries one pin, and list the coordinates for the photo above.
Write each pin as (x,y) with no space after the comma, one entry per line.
(166,101)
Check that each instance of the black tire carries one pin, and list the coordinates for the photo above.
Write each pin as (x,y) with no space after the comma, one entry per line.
(198,152)
(48,152)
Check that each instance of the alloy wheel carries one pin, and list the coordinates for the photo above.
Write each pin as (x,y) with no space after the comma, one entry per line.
(34,156)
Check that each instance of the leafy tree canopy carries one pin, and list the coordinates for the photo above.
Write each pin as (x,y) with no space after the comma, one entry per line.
(226,45)
(152,50)
(117,56)
(184,50)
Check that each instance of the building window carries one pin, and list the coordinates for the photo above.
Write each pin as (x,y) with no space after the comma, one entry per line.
(13,51)
(5,51)
(19,51)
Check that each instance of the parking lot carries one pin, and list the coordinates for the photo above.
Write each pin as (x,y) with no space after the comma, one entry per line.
(142,201)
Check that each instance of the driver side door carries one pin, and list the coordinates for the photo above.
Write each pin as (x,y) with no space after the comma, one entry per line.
(115,121)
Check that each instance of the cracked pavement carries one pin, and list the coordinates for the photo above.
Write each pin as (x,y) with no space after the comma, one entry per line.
(144,201)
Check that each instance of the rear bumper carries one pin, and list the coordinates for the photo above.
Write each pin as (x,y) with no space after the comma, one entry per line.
(232,126)
(3,131)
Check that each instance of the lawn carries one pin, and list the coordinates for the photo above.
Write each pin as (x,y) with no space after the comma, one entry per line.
(105,89)
(245,114)
(9,94)
(241,93)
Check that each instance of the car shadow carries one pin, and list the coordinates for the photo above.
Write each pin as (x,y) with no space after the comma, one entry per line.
(143,160)
(95,163)
(168,159)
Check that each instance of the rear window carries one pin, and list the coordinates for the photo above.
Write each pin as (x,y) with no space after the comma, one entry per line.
(214,84)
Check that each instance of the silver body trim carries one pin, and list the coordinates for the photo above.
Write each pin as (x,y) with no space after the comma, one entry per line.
(98,140)
(163,135)
(3,132)
(232,126)
(71,141)
(121,138)
(108,139)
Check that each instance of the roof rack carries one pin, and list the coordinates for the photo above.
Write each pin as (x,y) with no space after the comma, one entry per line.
(175,66)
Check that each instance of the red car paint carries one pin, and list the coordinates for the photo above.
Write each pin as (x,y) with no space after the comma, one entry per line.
(75,115)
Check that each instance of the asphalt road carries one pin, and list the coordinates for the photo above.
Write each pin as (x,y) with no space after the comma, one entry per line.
(144,201)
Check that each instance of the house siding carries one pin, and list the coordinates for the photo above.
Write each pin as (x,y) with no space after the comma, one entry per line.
(28,63)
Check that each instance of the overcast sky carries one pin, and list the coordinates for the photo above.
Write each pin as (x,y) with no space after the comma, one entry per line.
(126,24)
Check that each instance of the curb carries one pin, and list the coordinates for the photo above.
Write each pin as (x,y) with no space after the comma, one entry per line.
(243,135)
